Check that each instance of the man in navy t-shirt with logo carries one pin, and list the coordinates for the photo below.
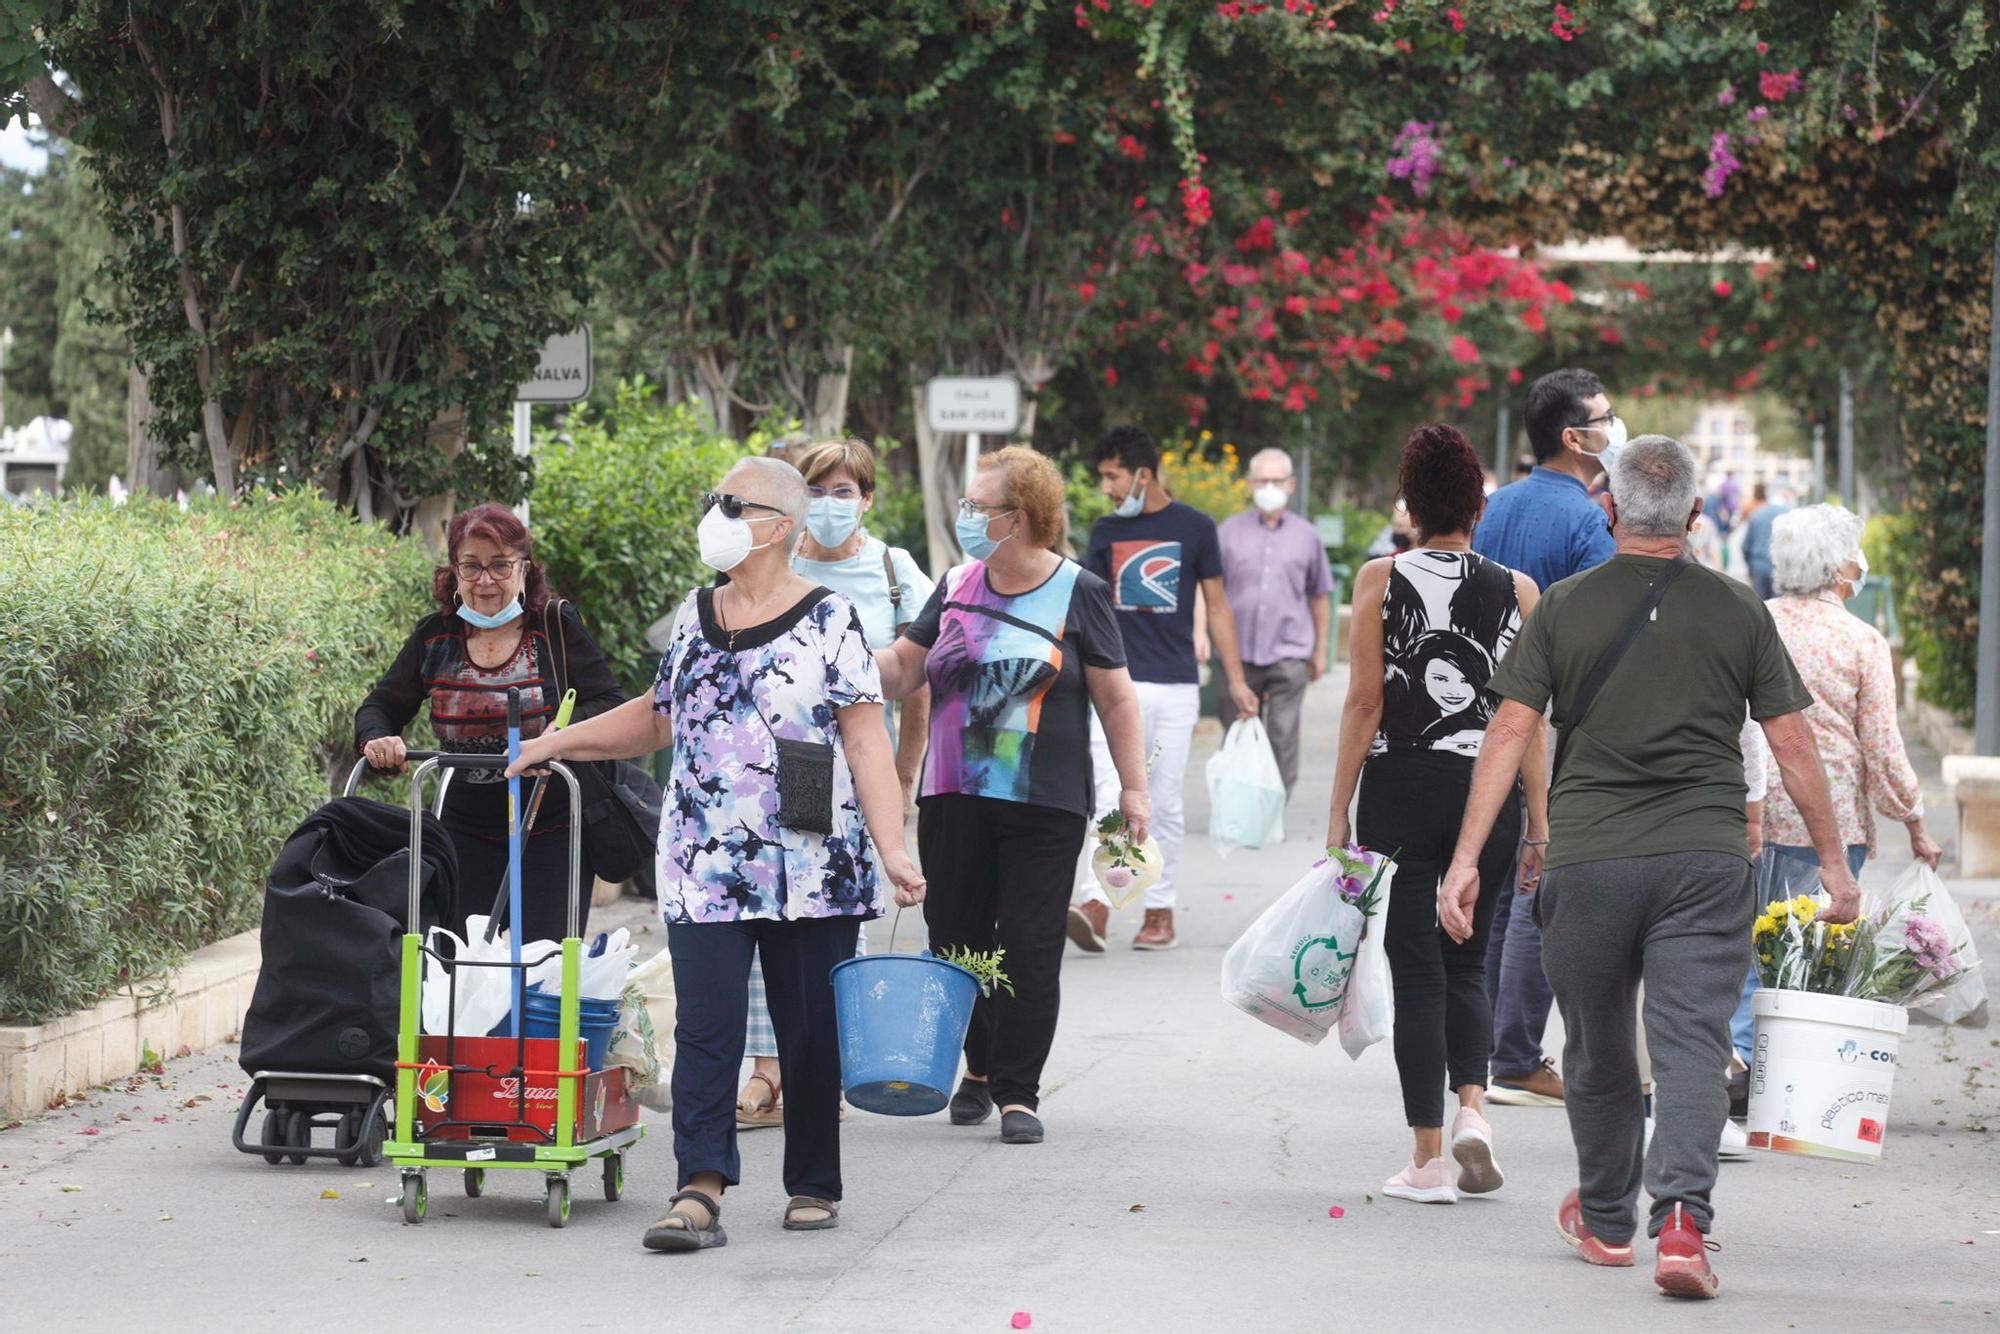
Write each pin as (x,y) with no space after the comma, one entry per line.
(1154,551)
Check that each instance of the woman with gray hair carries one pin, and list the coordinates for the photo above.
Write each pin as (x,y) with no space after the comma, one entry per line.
(783,817)
(1817,565)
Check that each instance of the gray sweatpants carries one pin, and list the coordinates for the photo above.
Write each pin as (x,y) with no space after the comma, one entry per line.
(1682,922)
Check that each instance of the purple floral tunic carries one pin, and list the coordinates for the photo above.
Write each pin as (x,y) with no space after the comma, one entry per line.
(722,855)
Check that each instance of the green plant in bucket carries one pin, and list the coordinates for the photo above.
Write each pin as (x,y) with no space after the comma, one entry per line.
(984,965)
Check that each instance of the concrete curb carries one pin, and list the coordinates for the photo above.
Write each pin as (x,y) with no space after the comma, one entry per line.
(199,1006)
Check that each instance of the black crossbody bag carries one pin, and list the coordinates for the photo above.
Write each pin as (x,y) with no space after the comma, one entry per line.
(1613,654)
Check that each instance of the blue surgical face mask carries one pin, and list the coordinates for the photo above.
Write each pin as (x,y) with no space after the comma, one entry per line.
(1133,504)
(506,614)
(972,538)
(832,520)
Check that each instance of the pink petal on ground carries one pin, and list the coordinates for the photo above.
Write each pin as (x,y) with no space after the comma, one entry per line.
(1229,898)
(1336,1211)
(1022,1320)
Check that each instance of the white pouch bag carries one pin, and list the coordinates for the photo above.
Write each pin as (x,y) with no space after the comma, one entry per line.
(1246,795)
(481,999)
(1368,1010)
(1291,969)
(651,987)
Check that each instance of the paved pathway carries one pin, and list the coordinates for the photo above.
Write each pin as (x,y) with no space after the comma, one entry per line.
(1192,1158)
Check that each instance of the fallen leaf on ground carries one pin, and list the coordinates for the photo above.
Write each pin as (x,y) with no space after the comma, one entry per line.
(1136,1209)
(166,1218)
(329,1195)
(69,1190)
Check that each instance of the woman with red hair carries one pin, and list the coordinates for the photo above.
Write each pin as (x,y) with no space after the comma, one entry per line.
(494,630)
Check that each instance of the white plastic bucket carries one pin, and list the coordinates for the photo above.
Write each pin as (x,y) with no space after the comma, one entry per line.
(1821,1072)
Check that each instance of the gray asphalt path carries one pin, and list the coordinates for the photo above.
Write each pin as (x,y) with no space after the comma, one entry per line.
(1192,1159)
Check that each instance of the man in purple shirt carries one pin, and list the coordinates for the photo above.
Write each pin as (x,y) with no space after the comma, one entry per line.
(1275,572)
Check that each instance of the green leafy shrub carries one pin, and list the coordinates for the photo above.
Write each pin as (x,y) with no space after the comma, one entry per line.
(173,691)
(616,503)
(1894,545)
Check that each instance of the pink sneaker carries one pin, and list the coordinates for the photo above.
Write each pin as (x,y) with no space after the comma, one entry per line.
(1569,1222)
(1472,1145)
(1429,1184)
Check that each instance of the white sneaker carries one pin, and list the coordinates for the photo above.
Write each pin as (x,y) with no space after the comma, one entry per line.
(1735,1142)
(1472,1146)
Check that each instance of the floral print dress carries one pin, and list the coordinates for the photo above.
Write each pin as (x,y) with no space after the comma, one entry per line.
(723,856)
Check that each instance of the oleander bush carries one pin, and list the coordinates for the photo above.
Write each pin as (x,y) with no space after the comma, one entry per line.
(174,690)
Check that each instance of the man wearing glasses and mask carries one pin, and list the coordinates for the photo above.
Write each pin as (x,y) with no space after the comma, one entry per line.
(1549,527)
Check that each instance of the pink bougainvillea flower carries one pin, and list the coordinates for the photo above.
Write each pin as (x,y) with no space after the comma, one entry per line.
(1022,1320)
(1463,349)
(1456,19)
(1131,148)
(1727,97)
(1335,1211)
(1110,375)
(1722,287)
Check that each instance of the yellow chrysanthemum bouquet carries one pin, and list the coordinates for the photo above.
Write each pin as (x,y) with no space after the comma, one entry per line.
(1798,952)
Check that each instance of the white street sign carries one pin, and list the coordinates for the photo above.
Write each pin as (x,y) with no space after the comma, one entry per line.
(987,405)
(563,374)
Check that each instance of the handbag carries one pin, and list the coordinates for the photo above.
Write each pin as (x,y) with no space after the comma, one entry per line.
(621,802)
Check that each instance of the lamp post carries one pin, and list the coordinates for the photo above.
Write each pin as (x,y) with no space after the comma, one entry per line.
(1986,693)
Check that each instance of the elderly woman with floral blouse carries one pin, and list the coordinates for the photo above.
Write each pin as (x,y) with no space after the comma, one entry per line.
(1844,661)
(783,818)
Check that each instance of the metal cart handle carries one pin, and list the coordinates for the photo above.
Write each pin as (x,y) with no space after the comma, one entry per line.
(436,760)
(362,768)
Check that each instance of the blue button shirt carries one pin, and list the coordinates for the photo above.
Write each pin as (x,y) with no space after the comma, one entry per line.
(1546,526)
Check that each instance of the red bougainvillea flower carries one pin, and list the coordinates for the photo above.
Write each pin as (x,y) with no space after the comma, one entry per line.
(1131,148)
(1195,204)
(1722,287)
(1514,376)
(1085,292)
(1110,375)
(1456,19)
(1463,349)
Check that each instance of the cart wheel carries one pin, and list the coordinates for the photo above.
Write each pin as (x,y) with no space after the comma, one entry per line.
(414,1197)
(614,1176)
(348,1133)
(274,1134)
(299,1135)
(370,1153)
(558,1201)
(475,1182)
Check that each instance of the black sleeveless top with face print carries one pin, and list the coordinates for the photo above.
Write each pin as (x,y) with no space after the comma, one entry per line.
(1448,618)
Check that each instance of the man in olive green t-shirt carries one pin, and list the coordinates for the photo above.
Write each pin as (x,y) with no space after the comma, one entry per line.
(1647,875)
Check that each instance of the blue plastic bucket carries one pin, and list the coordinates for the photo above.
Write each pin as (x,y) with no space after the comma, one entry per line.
(902,1021)
(596,1020)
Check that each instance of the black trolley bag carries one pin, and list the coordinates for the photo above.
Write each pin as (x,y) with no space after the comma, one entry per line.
(319,1040)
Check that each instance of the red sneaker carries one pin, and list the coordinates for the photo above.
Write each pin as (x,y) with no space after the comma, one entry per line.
(1682,1269)
(1569,1222)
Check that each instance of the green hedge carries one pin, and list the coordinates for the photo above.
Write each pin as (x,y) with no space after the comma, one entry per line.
(173,688)
(616,501)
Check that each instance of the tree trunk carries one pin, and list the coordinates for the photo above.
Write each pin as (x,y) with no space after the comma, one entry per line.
(826,413)
(433,513)
(940,461)
(143,473)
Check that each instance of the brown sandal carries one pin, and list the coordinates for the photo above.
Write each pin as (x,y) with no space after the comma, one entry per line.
(767,1114)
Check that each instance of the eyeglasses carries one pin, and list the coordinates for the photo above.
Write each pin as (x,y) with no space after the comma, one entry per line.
(500,570)
(972,509)
(733,506)
(1603,420)
(845,491)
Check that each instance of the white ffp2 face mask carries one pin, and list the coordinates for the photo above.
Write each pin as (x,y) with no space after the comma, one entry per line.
(1270,498)
(725,542)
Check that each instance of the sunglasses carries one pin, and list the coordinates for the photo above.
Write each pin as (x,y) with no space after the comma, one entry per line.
(733,506)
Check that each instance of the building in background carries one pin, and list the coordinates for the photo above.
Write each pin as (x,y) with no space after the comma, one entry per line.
(1724,443)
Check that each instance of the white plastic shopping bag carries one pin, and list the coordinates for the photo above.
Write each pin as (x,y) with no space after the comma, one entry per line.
(1920,891)
(1246,795)
(480,1000)
(1291,968)
(1368,1010)
(652,985)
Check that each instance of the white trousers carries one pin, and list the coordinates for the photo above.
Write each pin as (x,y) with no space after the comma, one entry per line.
(1167,715)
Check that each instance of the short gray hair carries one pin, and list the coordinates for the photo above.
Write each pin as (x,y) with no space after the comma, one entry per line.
(1809,545)
(1654,481)
(1273,453)
(785,489)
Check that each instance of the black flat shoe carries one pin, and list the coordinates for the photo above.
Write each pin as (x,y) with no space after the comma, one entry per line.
(1020,1128)
(972,1104)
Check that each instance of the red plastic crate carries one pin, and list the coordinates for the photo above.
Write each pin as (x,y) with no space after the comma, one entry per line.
(491,1101)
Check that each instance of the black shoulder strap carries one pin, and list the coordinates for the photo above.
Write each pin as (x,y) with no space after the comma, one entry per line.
(558,642)
(1613,654)
(895,591)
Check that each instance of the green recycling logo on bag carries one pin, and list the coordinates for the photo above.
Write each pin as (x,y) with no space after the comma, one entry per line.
(1320,969)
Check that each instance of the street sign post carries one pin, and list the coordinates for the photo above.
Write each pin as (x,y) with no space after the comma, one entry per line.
(562,375)
(973,406)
